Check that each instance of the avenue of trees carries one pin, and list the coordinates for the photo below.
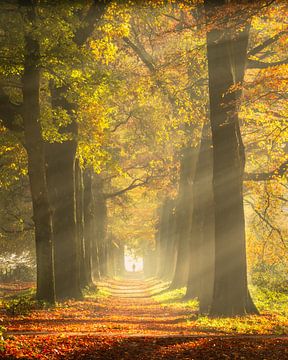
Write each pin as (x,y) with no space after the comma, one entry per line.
(151,125)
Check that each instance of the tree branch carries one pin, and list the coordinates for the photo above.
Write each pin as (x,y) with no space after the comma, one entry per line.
(266,43)
(121,123)
(148,61)
(262,217)
(134,184)
(92,17)
(256,64)
(281,170)
(142,53)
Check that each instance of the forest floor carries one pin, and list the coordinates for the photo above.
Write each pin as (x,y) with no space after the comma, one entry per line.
(135,319)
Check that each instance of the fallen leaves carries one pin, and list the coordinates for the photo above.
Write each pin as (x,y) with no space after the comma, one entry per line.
(130,324)
(145,348)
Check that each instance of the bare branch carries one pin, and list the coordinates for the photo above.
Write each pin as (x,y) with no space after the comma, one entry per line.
(121,123)
(281,170)
(134,184)
(266,220)
(256,64)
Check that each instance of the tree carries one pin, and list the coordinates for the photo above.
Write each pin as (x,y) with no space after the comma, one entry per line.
(184,211)
(201,266)
(121,106)
(36,165)
(226,53)
(60,159)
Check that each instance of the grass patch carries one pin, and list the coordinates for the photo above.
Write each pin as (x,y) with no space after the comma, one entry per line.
(270,301)
(250,324)
(170,295)
(22,305)
(271,304)
(97,293)
(103,293)
(174,299)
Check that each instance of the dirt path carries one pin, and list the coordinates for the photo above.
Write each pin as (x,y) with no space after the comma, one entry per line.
(128,324)
(133,308)
(130,310)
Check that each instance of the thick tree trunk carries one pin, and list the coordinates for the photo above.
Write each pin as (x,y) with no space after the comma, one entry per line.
(36,169)
(61,170)
(231,295)
(201,270)
(60,159)
(184,210)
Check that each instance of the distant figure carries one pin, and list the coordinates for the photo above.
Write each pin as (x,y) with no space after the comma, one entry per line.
(133,267)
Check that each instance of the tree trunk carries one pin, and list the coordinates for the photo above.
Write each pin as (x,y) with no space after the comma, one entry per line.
(111,256)
(85,276)
(120,259)
(231,296)
(183,216)
(36,169)
(171,243)
(60,159)
(89,236)
(164,229)
(100,223)
(158,245)
(61,170)
(201,270)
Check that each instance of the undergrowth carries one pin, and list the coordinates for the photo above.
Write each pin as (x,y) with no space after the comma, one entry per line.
(22,305)
(96,293)
(272,305)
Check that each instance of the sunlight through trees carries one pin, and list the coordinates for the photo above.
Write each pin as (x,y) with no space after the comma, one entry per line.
(147,140)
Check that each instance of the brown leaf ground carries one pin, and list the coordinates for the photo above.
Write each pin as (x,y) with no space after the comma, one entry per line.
(128,324)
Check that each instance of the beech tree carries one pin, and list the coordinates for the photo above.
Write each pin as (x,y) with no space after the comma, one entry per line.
(227,53)
(36,166)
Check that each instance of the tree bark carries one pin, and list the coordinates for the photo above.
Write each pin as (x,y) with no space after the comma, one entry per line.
(184,210)
(89,236)
(60,159)
(85,276)
(171,251)
(36,169)
(61,170)
(100,223)
(201,267)
(164,238)
(231,296)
